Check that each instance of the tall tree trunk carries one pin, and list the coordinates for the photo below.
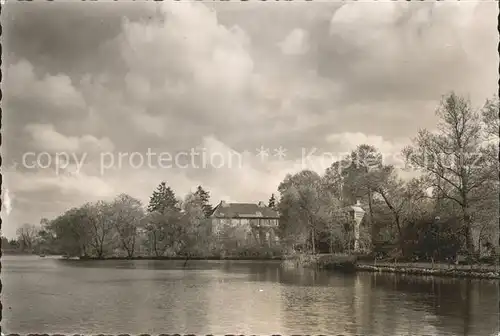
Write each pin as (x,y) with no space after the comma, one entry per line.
(155,248)
(132,247)
(129,251)
(469,243)
(466,213)
(402,246)
(331,240)
(467,218)
(374,231)
(439,196)
(313,240)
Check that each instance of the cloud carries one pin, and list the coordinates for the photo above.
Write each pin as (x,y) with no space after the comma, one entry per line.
(45,137)
(54,91)
(210,58)
(6,201)
(390,150)
(295,43)
(385,53)
(155,125)
(77,184)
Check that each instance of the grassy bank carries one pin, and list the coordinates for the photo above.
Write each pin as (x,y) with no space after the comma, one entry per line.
(341,262)
(18,253)
(348,263)
(446,270)
(256,258)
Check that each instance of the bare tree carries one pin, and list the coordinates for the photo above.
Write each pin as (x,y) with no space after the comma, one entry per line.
(452,158)
(305,205)
(398,196)
(164,230)
(27,234)
(71,232)
(491,118)
(127,215)
(194,229)
(99,218)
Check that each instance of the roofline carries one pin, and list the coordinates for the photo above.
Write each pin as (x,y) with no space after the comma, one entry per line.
(242,203)
(278,216)
(214,209)
(245,217)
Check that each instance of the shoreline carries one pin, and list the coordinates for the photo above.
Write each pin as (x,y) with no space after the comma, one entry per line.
(472,272)
(15,253)
(340,263)
(351,264)
(249,258)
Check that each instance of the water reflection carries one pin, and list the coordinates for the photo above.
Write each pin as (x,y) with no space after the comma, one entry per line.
(242,297)
(459,306)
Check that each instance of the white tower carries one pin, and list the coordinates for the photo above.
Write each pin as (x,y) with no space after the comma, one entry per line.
(357,213)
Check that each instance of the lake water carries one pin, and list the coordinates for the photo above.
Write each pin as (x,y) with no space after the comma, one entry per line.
(47,295)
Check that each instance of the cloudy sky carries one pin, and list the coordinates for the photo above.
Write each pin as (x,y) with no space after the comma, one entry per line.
(94,81)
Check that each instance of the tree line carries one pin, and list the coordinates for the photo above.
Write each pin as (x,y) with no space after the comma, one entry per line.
(450,207)
(124,227)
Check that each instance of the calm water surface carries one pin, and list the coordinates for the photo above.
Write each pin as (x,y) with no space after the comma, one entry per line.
(47,295)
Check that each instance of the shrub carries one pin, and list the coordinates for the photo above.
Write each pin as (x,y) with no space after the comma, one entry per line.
(428,239)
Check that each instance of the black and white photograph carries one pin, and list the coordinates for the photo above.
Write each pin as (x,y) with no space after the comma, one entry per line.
(253,167)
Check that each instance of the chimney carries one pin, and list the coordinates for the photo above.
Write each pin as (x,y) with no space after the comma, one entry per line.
(262,204)
(223,203)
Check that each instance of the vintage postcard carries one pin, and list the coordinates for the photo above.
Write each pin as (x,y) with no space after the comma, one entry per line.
(250,167)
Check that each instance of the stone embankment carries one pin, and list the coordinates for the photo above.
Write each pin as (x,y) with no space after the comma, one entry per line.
(457,271)
(348,263)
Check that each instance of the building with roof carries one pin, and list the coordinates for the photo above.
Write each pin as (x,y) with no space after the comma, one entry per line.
(249,221)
